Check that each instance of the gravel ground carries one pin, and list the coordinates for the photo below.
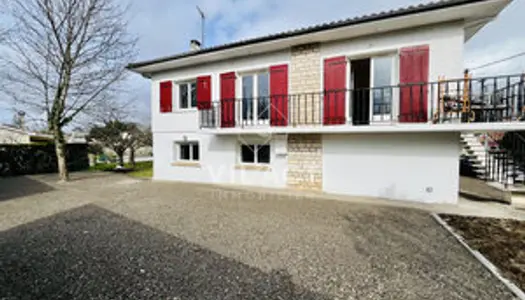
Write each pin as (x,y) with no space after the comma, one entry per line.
(111,237)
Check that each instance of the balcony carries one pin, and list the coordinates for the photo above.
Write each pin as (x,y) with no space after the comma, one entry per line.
(488,103)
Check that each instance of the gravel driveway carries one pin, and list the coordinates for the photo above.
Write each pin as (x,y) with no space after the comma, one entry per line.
(111,237)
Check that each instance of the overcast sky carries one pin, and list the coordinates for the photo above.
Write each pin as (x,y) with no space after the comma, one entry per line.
(165,27)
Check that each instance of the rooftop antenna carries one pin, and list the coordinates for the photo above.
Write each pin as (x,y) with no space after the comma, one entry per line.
(202,24)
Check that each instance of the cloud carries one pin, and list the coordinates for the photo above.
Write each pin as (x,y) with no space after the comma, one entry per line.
(165,27)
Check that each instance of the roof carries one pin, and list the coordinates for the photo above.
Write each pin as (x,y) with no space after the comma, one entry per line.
(315,28)
(22,131)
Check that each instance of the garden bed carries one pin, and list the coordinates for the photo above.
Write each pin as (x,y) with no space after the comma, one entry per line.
(502,241)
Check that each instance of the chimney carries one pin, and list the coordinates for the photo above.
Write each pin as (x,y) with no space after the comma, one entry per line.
(195,45)
(21,122)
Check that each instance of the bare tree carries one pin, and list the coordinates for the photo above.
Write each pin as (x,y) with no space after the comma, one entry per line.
(66,57)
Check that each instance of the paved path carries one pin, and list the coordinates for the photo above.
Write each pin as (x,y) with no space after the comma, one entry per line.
(111,237)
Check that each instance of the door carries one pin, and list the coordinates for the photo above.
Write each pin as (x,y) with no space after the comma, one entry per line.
(361,91)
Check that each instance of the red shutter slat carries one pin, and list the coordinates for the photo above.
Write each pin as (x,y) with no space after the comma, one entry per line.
(166,94)
(334,111)
(413,68)
(228,99)
(279,95)
(204,92)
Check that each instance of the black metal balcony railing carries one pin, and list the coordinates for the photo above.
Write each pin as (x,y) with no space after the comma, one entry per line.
(506,163)
(487,99)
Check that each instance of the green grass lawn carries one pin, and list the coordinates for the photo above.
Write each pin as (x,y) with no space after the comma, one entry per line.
(142,169)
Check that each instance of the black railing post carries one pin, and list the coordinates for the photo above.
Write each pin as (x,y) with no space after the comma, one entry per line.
(459,101)
(507,97)
(520,96)
(470,110)
(432,102)
(513,157)
(482,101)
(422,116)
(487,170)
(299,108)
(411,104)
(494,92)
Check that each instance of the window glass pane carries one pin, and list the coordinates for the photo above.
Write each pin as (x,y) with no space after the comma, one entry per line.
(247,153)
(193,87)
(185,151)
(263,93)
(247,97)
(183,96)
(263,154)
(382,93)
(195,152)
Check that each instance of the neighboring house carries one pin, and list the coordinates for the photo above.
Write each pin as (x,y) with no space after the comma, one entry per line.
(11,135)
(76,137)
(368,106)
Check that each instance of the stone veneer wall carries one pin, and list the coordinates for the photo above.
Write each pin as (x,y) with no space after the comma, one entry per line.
(305,151)
(305,161)
(305,77)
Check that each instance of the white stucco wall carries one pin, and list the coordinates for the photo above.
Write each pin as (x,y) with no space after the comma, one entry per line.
(396,152)
(421,167)
(446,59)
(218,161)
(446,43)
(187,120)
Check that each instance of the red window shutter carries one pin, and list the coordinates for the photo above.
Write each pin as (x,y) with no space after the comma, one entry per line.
(204,92)
(334,111)
(228,99)
(413,69)
(166,94)
(279,95)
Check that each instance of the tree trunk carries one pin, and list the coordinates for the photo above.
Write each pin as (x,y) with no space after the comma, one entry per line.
(60,150)
(132,156)
(120,159)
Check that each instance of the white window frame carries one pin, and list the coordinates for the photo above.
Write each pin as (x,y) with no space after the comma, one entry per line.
(394,53)
(188,84)
(255,152)
(393,77)
(178,151)
(255,120)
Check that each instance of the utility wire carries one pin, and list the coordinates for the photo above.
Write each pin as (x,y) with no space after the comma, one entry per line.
(498,61)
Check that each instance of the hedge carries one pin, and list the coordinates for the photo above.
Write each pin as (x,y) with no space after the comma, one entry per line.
(40,158)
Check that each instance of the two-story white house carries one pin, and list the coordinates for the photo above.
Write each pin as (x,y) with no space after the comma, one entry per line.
(369,106)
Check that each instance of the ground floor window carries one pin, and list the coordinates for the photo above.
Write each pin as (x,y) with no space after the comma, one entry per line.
(187,151)
(255,154)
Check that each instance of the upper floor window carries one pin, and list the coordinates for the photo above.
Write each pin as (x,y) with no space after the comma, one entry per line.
(382,73)
(255,97)
(187,97)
